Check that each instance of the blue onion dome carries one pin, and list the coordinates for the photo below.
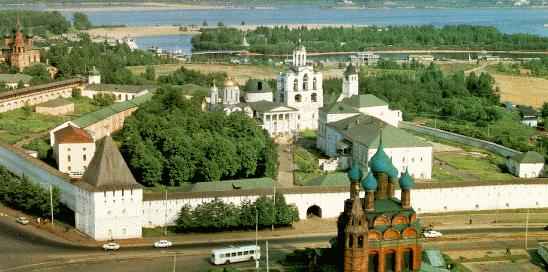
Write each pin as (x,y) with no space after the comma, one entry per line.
(380,162)
(370,183)
(406,181)
(355,173)
(393,173)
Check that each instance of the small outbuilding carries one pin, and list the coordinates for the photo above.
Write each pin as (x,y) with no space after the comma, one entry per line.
(526,165)
(58,106)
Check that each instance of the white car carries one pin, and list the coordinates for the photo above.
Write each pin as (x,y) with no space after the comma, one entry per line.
(432,234)
(22,220)
(163,244)
(111,246)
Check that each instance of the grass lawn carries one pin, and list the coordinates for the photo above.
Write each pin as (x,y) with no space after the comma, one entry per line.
(158,232)
(452,68)
(21,123)
(306,161)
(481,166)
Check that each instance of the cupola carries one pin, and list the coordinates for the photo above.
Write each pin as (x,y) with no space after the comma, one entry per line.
(380,162)
(406,181)
(369,183)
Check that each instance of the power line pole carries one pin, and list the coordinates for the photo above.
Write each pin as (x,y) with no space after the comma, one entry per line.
(256,238)
(51,202)
(526,228)
(274,207)
(174,261)
(267,265)
(165,213)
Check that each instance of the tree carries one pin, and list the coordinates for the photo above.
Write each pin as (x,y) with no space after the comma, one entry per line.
(220,24)
(81,21)
(103,99)
(38,72)
(76,93)
(544,110)
(150,73)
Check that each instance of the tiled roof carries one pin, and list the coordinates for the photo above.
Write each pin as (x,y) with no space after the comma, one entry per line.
(72,134)
(367,130)
(108,170)
(96,116)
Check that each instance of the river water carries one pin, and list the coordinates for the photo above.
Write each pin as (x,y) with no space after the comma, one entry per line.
(508,20)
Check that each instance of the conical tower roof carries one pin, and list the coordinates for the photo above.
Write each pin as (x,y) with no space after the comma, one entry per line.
(107,170)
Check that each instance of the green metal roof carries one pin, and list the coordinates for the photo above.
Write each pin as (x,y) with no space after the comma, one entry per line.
(266,106)
(14,78)
(434,258)
(366,130)
(96,116)
(257,86)
(337,108)
(529,157)
(333,179)
(364,100)
(121,88)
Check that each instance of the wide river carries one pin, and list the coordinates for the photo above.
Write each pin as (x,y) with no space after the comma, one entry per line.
(509,20)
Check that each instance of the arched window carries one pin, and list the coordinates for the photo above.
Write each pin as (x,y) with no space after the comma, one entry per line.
(350,241)
(314,97)
(314,84)
(298,98)
(305,82)
(295,85)
(260,86)
(360,241)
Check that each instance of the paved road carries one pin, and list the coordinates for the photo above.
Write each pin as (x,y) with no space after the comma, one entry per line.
(21,250)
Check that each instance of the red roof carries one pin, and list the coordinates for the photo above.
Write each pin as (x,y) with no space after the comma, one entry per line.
(72,135)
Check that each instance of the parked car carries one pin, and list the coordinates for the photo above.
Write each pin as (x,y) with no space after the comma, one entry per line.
(162,244)
(22,220)
(546,227)
(111,246)
(432,234)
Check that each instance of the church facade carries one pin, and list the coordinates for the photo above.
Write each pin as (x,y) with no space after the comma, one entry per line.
(18,51)
(379,232)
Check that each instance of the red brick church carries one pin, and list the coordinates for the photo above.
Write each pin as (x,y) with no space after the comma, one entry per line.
(18,51)
(379,233)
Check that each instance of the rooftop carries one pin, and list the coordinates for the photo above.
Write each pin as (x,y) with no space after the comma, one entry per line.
(529,157)
(266,106)
(96,116)
(14,78)
(367,131)
(121,88)
(39,88)
(57,102)
(72,135)
(339,108)
(108,170)
(364,100)
(257,86)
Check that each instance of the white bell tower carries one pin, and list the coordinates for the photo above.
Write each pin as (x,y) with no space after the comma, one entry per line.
(299,57)
(213,94)
(350,84)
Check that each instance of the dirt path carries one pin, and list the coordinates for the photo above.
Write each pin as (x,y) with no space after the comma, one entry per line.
(285,171)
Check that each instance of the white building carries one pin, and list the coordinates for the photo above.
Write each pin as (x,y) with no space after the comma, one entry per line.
(279,120)
(94,76)
(357,139)
(365,58)
(12,81)
(110,198)
(120,92)
(526,165)
(301,88)
(73,150)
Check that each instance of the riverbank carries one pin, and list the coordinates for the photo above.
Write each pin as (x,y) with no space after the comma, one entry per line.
(98,7)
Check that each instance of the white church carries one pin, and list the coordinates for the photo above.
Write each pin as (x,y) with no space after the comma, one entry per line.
(295,108)
(351,129)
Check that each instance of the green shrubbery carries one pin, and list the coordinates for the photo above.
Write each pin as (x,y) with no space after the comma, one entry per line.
(220,216)
(21,194)
(187,76)
(170,140)
(38,22)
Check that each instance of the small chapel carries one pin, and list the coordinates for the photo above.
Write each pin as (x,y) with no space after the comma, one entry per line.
(379,232)
(17,49)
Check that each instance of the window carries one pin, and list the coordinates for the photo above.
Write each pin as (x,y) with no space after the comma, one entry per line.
(240,253)
(305,82)
(314,84)
(84,157)
(298,98)
(252,252)
(246,252)
(227,255)
(68,168)
(314,97)
(68,158)
(295,85)
(233,254)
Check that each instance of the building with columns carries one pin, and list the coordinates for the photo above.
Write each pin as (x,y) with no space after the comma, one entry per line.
(18,51)
(300,87)
(379,232)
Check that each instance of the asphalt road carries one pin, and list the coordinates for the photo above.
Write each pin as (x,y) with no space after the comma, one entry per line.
(22,250)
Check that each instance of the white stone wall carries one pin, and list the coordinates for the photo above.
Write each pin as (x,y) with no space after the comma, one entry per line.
(529,170)
(117,214)
(20,101)
(118,96)
(255,97)
(392,117)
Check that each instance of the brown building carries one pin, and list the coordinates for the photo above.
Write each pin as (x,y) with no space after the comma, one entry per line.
(18,51)
(379,233)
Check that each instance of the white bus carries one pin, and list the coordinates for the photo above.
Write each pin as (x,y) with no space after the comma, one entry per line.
(235,254)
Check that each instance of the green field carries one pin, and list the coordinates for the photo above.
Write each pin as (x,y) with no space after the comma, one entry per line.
(457,166)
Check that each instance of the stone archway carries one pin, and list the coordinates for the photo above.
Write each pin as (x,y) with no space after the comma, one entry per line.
(314,211)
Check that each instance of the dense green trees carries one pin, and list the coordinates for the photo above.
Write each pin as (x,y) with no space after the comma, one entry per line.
(21,194)
(76,58)
(282,40)
(220,216)
(185,76)
(103,99)
(38,72)
(169,140)
(35,22)
(81,21)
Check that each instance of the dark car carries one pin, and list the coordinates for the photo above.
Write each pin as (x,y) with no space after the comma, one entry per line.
(546,227)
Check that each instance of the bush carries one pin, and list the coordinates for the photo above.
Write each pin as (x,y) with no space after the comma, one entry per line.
(219,216)
(103,99)
(76,93)
(22,194)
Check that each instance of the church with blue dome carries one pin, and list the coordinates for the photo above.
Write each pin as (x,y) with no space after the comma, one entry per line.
(379,232)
